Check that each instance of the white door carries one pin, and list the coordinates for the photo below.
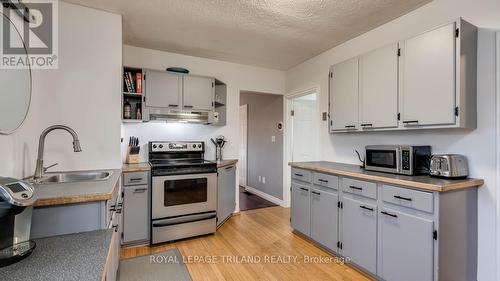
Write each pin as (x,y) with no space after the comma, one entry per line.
(428,78)
(198,92)
(344,95)
(162,89)
(378,88)
(305,129)
(243,145)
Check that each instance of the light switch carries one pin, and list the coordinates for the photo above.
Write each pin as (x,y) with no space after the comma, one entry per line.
(273,138)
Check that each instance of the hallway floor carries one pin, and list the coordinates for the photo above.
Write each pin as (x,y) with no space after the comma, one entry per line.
(249,201)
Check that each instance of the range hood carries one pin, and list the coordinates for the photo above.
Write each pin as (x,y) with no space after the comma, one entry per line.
(195,117)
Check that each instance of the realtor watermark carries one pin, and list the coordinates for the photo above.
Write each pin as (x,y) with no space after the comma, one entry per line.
(29,34)
(251,259)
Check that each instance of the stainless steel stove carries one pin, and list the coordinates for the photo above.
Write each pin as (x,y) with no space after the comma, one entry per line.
(184,191)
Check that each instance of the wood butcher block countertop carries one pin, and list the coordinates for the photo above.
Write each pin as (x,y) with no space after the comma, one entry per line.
(421,182)
(76,192)
(138,167)
(227,162)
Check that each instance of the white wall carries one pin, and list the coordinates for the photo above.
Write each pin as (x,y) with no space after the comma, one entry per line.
(479,145)
(237,77)
(84,93)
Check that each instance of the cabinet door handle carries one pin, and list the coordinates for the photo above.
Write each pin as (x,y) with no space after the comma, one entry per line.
(411,123)
(135,179)
(366,208)
(402,198)
(140,190)
(350,126)
(315,192)
(173,105)
(355,187)
(188,106)
(322,180)
(299,175)
(305,189)
(367,125)
(389,214)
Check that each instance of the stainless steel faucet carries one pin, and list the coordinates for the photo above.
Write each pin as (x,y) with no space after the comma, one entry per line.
(40,170)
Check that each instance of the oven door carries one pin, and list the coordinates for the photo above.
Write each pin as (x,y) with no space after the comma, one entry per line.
(383,158)
(183,194)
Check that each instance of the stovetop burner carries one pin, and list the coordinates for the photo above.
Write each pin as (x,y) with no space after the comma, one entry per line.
(179,162)
(179,158)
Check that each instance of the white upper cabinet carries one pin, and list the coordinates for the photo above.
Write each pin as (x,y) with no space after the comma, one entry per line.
(428,78)
(199,92)
(424,82)
(378,88)
(163,89)
(344,96)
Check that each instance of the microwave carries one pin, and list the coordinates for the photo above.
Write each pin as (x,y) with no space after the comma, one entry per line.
(398,159)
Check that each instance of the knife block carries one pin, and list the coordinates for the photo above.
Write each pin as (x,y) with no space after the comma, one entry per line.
(132,155)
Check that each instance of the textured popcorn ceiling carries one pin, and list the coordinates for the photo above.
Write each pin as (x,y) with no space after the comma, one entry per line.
(270,33)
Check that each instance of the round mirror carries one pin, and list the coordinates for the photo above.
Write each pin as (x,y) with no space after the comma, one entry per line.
(15,89)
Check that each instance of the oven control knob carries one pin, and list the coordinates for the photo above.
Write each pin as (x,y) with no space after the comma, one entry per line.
(199,145)
(161,146)
(194,145)
(154,145)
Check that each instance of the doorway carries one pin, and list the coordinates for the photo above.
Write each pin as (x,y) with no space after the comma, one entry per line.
(243,145)
(304,128)
(301,133)
(261,150)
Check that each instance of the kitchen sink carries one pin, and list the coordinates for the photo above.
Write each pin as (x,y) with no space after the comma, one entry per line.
(82,176)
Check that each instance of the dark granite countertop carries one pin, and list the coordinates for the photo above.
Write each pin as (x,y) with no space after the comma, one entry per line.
(72,257)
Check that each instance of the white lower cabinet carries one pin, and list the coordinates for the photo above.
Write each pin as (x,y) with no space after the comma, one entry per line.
(407,246)
(392,233)
(135,208)
(324,216)
(301,211)
(359,233)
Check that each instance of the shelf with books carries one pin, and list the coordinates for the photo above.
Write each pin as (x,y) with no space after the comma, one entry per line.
(132,80)
(132,94)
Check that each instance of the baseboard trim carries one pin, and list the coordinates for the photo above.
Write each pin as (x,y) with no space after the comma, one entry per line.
(264,195)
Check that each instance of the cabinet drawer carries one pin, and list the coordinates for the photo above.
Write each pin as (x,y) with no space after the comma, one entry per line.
(326,180)
(301,175)
(362,188)
(410,198)
(138,178)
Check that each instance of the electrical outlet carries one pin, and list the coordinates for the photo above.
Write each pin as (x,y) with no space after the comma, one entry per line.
(260,179)
(273,138)
(263,179)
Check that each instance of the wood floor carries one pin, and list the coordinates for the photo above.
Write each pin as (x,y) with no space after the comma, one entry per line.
(263,236)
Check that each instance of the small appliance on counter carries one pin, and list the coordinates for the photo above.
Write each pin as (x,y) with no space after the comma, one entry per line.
(453,166)
(16,207)
(219,143)
(398,159)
